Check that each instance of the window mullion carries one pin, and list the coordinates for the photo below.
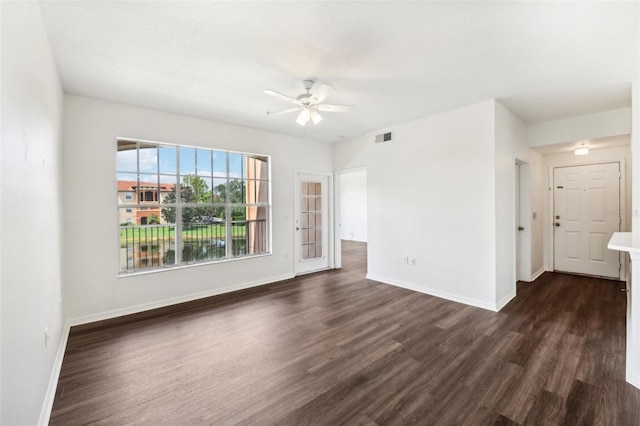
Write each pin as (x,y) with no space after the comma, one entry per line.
(229,239)
(178,221)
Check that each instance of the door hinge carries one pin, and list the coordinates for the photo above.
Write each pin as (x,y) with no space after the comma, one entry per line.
(619,267)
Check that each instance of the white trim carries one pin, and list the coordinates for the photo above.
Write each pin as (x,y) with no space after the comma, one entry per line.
(47,405)
(506,299)
(313,271)
(174,301)
(634,380)
(433,292)
(537,274)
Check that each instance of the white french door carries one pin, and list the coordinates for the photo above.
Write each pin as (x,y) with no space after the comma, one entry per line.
(311,222)
(586,203)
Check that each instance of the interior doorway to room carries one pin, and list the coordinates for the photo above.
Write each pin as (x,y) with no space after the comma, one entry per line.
(523,221)
(311,222)
(351,212)
(353,205)
(586,211)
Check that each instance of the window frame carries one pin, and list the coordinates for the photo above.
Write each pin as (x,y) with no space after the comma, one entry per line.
(179,206)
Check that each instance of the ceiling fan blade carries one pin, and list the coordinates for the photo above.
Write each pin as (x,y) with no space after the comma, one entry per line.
(321,93)
(284,111)
(336,108)
(283,97)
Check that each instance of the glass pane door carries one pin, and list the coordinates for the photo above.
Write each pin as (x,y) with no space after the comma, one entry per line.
(311,223)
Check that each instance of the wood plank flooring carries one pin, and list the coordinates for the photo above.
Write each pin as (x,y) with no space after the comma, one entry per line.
(334,348)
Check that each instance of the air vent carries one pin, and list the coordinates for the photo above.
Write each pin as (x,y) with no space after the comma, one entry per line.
(384,137)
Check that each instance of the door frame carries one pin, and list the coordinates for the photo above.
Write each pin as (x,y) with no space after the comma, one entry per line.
(621,197)
(522,216)
(330,217)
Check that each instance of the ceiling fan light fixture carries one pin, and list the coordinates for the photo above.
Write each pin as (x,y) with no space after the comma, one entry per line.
(315,117)
(303,117)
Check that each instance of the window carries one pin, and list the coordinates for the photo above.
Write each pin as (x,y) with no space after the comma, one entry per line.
(195,205)
(149,196)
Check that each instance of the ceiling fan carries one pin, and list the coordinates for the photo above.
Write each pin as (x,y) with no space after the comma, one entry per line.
(309,103)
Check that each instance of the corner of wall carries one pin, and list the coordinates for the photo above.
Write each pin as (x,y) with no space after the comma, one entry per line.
(635,151)
(47,405)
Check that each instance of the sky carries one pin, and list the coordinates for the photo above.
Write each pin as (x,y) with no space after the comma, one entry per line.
(154,159)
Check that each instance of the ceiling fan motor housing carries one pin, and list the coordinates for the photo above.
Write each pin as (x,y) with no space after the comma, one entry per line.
(305,98)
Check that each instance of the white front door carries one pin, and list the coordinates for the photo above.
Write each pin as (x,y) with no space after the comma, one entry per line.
(586,203)
(311,222)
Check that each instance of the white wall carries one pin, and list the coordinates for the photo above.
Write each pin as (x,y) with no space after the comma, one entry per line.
(511,147)
(510,144)
(620,154)
(538,192)
(351,154)
(633,305)
(91,127)
(443,192)
(635,157)
(430,196)
(30,215)
(589,126)
(353,205)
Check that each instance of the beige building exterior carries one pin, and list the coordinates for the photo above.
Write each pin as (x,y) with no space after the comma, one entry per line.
(132,192)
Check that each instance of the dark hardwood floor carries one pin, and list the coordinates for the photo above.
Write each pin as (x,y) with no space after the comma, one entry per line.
(334,348)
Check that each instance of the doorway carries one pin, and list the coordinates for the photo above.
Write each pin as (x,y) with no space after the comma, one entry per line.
(350,209)
(586,212)
(523,221)
(311,222)
(353,205)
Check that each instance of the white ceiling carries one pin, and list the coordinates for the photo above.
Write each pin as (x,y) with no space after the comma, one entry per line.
(396,61)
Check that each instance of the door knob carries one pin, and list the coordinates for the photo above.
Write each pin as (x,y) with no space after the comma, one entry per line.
(557,217)
(557,224)
(520,228)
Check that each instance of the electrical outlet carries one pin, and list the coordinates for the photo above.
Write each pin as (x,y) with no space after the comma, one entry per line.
(46,337)
(413,261)
(286,254)
(405,260)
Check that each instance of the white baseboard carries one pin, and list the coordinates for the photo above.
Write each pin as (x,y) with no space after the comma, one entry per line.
(173,301)
(537,274)
(506,299)
(47,405)
(634,380)
(434,292)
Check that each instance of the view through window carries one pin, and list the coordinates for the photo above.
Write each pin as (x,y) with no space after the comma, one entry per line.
(180,205)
